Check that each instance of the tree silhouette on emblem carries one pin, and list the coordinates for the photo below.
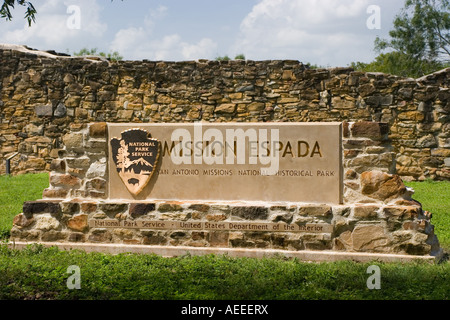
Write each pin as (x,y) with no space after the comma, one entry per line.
(123,162)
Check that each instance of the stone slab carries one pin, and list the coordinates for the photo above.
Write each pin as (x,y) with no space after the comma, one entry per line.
(172,251)
(303,164)
(211,226)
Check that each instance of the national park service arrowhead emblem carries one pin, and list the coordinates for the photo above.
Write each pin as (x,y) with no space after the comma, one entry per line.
(136,156)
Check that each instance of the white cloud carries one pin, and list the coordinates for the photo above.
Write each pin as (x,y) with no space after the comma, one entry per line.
(205,48)
(144,42)
(137,43)
(126,39)
(307,30)
(51,30)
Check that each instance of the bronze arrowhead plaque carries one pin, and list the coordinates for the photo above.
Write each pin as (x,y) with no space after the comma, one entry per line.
(136,156)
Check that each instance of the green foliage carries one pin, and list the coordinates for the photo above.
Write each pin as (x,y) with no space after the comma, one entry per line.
(434,196)
(315,66)
(224,58)
(419,43)
(400,64)
(113,56)
(14,191)
(41,273)
(5,10)
(421,30)
(240,56)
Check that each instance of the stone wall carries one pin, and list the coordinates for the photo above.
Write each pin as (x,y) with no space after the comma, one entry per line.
(45,96)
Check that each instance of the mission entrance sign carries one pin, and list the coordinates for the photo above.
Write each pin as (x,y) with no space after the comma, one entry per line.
(298,162)
(243,189)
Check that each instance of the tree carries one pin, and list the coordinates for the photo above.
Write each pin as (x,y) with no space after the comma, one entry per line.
(400,64)
(30,13)
(240,56)
(123,162)
(421,30)
(5,10)
(419,43)
(113,56)
(224,58)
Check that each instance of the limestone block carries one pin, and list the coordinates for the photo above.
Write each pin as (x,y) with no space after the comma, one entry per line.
(315,210)
(343,103)
(44,110)
(76,237)
(183,216)
(199,207)
(370,238)
(73,140)
(373,130)
(153,238)
(36,164)
(78,162)
(428,141)
(140,209)
(440,152)
(22,221)
(100,235)
(125,114)
(218,238)
(78,222)
(402,212)
(34,130)
(226,108)
(250,212)
(57,193)
(97,169)
(58,165)
(256,106)
(98,184)
(382,186)
(215,217)
(46,223)
(411,115)
(365,212)
(97,130)
(60,110)
(36,207)
(113,208)
(88,207)
(169,207)
(65,181)
(53,236)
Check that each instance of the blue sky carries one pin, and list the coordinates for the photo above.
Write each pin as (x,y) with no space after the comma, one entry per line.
(324,32)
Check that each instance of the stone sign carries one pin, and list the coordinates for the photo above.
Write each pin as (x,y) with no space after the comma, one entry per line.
(244,189)
(298,162)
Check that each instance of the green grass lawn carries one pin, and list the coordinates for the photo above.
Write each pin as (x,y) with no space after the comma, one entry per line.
(41,273)
(14,191)
(435,197)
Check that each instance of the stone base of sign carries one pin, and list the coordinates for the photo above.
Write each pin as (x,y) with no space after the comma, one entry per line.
(173,251)
(400,227)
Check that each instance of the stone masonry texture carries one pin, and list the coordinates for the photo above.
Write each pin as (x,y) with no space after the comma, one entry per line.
(45,98)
